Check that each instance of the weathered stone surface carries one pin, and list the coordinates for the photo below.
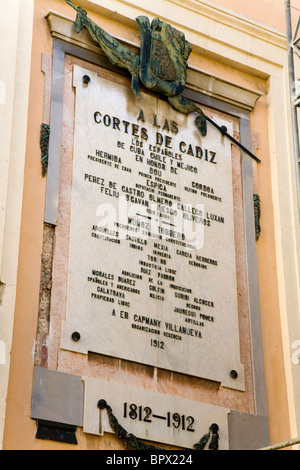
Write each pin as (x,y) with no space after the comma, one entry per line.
(152,274)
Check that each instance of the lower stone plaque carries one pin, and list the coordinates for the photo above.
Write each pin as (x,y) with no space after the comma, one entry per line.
(152,268)
(153,416)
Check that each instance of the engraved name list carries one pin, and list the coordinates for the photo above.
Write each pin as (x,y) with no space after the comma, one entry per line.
(151,274)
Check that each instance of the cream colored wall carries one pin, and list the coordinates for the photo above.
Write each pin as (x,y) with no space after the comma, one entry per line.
(15,56)
(235,48)
(267,12)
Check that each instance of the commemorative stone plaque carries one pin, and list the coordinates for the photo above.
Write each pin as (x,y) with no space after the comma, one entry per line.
(150,415)
(151,275)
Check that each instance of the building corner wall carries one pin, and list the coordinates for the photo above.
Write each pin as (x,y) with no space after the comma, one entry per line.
(16,24)
(275,300)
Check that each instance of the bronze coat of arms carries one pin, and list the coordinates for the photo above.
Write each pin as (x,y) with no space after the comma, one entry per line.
(161,65)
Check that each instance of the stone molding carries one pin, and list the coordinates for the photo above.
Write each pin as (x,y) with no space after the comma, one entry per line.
(62,28)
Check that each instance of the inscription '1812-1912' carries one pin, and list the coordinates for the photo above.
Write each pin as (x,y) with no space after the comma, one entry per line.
(145,414)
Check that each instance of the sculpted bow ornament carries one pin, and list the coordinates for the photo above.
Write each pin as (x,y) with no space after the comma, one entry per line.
(161,66)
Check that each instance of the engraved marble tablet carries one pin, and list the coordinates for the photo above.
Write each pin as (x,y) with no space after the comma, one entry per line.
(152,269)
(153,416)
